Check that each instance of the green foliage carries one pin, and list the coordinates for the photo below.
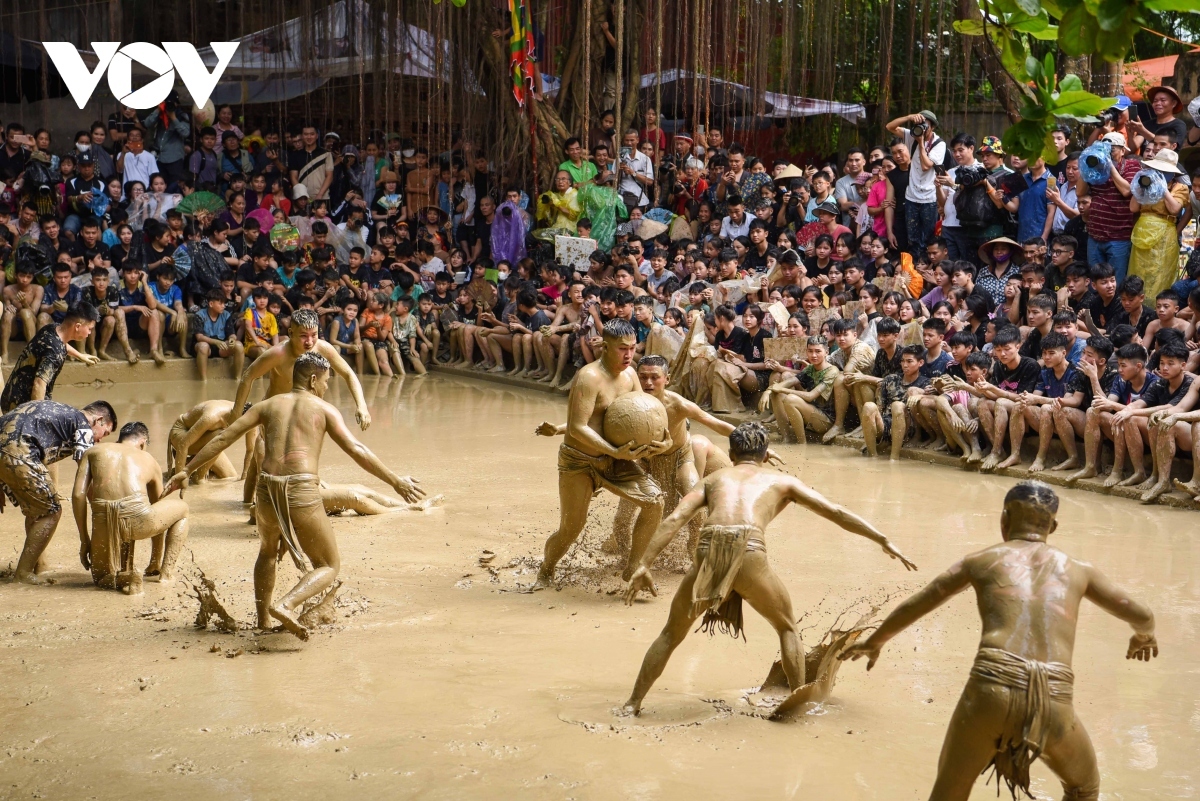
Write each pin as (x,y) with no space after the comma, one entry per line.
(1084,27)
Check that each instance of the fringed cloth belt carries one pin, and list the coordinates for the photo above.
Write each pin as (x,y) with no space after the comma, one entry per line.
(622,477)
(112,526)
(719,555)
(277,495)
(1039,684)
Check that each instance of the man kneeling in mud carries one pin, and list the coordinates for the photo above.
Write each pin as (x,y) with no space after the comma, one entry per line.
(1017,705)
(731,557)
(290,511)
(123,484)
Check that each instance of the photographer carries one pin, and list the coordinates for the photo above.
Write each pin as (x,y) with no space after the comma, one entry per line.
(687,189)
(920,198)
(167,130)
(636,171)
(671,166)
(15,152)
(1110,222)
(966,208)
(1115,119)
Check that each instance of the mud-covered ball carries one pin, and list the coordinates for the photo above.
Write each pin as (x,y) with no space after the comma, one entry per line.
(637,417)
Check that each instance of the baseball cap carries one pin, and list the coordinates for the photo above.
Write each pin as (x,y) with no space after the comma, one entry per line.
(1114,138)
(84,158)
(1122,103)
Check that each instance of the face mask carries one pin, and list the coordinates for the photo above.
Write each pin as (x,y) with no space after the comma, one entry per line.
(503,276)
(408,154)
(83,148)
(1003,257)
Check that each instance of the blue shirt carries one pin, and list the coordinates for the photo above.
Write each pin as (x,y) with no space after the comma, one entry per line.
(135,297)
(169,298)
(214,329)
(932,368)
(73,296)
(1076,352)
(1031,214)
(1050,385)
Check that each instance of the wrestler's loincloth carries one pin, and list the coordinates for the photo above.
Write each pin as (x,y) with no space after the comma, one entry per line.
(621,477)
(719,555)
(112,526)
(275,497)
(27,481)
(1034,685)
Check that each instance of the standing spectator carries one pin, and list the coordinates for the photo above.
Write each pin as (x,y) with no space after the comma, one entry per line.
(898,179)
(1155,254)
(845,191)
(1064,197)
(1165,103)
(1110,221)
(168,129)
(134,162)
(106,168)
(920,199)
(81,191)
(15,152)
(224,123)
(311,165)
(120,123)
(963,236)
(234,160)
(580,169)
(204,161)
(637,173)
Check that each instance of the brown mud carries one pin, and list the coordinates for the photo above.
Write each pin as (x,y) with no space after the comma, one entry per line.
(436,679)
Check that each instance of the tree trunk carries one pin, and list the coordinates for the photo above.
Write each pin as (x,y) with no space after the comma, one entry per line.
(633,73)
(1080,66)
(1003,85)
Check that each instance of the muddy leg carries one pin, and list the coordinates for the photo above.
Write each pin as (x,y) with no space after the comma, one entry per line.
(1073,760)
(679,621)
(575,496)
(872,423)
(1164,457)
(970,742)
(1093,438)
(899,428)
(841,404)
(122,331)
(649,516)
(758,585)
(1135,434)
(316,539)
(98,340)
(237,355)
(1193,487)
(38,532)
(202,350)
(1044,417)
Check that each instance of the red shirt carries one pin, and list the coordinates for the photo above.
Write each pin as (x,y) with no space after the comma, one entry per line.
(1110,219)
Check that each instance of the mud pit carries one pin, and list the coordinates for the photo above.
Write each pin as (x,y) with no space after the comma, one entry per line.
(436,680)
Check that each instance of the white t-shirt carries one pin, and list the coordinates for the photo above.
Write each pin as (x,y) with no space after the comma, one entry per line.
(949,213)
(846,188)
(641,165)
(139,167)
(731,230)
(921,186)
(1067,193)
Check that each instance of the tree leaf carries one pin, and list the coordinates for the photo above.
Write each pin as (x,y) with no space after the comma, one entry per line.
(1078,103)
(1025,139)
(1070,83)
(1077,31)
(1030,7)
(1172,5)
(1033,67)
(1051,7)
(969,27)
(1047,34)
(1027,24)
(998,6)
(1049,149)
(1113,45)
(1112,14)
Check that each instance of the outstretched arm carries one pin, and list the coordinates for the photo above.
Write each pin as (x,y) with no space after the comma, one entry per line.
(689,506)
(79,506)
(340,434)
(339,366)
(203,460)
(818,503)
(702,417)
(1114,600)
(915,607)
(256,370)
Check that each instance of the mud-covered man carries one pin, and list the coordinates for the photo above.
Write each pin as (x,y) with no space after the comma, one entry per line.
(32,436)
(588,462)
(291,514)
(1017,704)
(41,360)
(122,483)
(731,557)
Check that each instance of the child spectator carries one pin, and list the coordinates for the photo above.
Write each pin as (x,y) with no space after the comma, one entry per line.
(404,337)
(1036,408)
(1174,391)
(888,416)
(1012,375)
(216,336)
(260,326)
(806,400)
(376,332)
(343,334)
(168,304)
(1093,379)
(429,335)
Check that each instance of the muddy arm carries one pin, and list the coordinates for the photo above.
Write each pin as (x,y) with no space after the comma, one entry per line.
(366,459)
(79,507)
(689,506)
(203,460)
(256,370)
(342,368)
(843,517)
(1112,599)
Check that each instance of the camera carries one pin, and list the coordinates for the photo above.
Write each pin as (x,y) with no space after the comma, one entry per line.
(1109,116)
(677,188)
(919,130)
(970,176)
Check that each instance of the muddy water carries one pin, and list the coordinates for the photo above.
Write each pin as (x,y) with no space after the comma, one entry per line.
(437,681)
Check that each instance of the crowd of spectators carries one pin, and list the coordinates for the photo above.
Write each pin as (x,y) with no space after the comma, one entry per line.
(938,291)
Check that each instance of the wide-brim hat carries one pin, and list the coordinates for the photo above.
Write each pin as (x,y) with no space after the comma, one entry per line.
(1153,90)
(649,229)
(985,250)
(788,173)
(1166,160)
(388,175)
(442,215)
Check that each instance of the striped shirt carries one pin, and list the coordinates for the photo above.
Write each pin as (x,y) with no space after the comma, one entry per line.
(1110,219)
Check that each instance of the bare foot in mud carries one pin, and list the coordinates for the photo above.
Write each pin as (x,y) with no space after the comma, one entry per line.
(1190,487)
(31,578)
(1086,472)
(289,621)
(629,710)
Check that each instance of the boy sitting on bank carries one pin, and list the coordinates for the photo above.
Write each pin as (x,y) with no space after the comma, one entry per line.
(1131,383)
(1012,375)
(890,414)
(1036,407)
(259,325)
(1093,379)
(1173,392)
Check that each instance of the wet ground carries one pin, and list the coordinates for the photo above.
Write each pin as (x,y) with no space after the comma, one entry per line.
(439,681)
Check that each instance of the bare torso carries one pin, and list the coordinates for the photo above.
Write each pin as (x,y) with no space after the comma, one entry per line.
(294,427)
(1028,595)
(747,494)
(118,471)
(597,388)
(677,419)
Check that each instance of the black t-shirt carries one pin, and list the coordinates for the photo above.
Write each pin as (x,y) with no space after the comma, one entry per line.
(357,277)
(298,159)
(755,262)
(755,351)
(48,429)
(483,234)
(737,340)
(118,123)
(1023,379)
(81,250)
(1176,126)
(247,274)
(1161,395)
(1103,314)
(1143,322)
(1032,346)
(42,358)
(439,302)
(1077,228)
(1081,383)
(885,366)
(15,163)
(1084,301)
